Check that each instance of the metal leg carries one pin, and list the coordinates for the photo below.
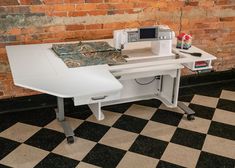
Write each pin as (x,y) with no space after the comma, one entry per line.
(96,110)
(60,110)
(65,125)
(190,113)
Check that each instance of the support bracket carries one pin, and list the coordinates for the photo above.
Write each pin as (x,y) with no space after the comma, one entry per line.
(96,110)
(190,113)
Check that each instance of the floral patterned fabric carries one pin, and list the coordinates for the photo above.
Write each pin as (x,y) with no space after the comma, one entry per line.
(88,53)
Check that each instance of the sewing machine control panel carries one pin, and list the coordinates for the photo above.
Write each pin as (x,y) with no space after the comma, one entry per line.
(164,34)
(133,36)
(149,33)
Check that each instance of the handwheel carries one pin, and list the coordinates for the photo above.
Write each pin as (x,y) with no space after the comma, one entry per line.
(190,117)
(70,139)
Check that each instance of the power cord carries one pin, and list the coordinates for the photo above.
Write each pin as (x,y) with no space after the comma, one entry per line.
(147,83)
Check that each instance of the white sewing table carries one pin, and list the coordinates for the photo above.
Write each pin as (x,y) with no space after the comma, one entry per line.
(144,76)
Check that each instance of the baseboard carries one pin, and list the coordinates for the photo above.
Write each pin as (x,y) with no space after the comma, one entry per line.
(207,78)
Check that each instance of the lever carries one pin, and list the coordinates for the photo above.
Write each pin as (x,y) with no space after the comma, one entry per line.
(193,54)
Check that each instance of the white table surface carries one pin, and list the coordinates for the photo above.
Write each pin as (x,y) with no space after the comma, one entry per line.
(37,67)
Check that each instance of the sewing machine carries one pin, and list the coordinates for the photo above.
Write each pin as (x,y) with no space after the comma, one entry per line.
(160,36)
(152,71)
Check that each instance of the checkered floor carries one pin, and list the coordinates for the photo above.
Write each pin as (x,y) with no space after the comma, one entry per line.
(139,134)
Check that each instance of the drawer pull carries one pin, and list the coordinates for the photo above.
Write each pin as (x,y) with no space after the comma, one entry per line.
(98,98)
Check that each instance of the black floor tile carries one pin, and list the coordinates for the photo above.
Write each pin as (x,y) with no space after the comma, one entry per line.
(214,161)
(57,161)
(149,146)
(4,166)
(27,102)
(188,138)
(7,120)
(46,139)
(226,105)
(229,86)
(187,98)
(104,156)
(185,91)
(39,117)
(215,78)
(78,112)
(91,131)
(163,164)
(202,111)
(213,90)
(155,103)
(222,130)
(130,123)
(167,117)
(7,146)
(119,108)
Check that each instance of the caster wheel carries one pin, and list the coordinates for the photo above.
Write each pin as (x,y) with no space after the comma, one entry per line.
(190,117)
(70,140)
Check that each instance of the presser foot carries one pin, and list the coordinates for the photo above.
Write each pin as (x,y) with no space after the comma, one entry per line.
(190,113)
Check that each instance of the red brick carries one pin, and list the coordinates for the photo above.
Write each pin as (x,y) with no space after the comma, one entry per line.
(53,1)
(98,34)
(56,28)
(224,2)
(117,25)
(75,27)
(67,8)
(114,1)
(14,31)
(17,9)
(8,2)
(104,6)
(227,19)
(76,13)
(86,7)
(38,9)
(123,6)
(94,26)
(97,12)
(93,1)
(58,14)
(132,24)
(192,3)
(74,1)
(30,2)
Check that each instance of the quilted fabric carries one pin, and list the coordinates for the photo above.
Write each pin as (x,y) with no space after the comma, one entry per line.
(88,53)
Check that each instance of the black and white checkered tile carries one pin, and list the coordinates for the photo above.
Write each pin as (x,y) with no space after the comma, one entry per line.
(139,134)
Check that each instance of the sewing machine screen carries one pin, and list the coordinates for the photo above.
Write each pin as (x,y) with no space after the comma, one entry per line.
(147,33)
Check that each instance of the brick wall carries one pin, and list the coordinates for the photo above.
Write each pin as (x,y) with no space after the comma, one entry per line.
(211,22)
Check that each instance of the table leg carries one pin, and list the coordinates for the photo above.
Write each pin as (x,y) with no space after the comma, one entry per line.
(96,110)
(65,125)
(190,113)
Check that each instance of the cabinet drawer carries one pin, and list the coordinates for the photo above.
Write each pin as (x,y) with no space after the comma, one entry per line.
(94,99)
